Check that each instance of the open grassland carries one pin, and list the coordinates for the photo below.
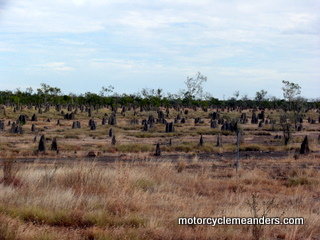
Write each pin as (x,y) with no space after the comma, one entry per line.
(126,192)
(143,200)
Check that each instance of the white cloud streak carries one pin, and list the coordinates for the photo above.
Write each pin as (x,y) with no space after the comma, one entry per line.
(55,66)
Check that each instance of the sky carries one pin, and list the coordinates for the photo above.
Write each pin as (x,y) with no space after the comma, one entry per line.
(83,45)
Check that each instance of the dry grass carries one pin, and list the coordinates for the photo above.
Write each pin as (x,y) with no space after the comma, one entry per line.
(142,200)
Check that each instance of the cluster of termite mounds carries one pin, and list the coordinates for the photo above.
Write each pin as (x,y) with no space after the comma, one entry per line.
(258,117)
(42,144)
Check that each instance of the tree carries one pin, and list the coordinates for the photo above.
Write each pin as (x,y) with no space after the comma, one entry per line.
(48,92)
(29,90)
(290,92)
(286,127)
(106,90)
(93,98)
(245,97)
(153,96)
(261,96)
(293,112)
(194,86)
(275,102)
(159,93)
(236,94)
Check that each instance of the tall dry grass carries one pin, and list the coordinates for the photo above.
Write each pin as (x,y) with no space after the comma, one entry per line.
(143,200)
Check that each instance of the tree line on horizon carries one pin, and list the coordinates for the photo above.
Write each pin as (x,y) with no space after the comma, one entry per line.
(192,96)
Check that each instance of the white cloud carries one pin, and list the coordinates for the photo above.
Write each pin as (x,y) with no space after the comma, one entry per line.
(37,17)
(79,2)
(6,49)
(70,42)
(56,66)
(112,63)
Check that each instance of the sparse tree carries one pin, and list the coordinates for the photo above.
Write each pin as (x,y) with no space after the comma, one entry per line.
(48,92)
(236,94)
(293,112)
(194,86)
(106,90)
(29,90)
(290,92)
(286,127)
(245,97)
(207,96)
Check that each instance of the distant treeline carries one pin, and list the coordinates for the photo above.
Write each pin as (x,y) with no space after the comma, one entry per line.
(147,98)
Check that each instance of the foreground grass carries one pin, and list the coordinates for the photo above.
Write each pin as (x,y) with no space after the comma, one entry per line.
(143,200)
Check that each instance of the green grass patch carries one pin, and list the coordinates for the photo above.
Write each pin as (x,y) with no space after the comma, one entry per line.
(70,218)
(299,181)
(72,136)
(39,215)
